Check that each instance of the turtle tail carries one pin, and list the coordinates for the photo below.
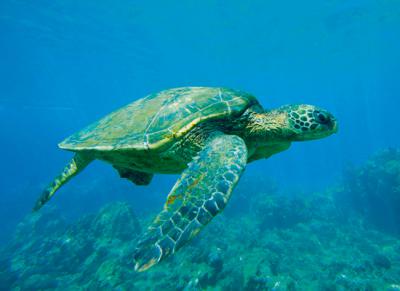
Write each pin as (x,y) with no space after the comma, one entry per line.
(76,165)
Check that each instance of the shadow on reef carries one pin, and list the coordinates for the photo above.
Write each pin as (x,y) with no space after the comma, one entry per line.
(336,240)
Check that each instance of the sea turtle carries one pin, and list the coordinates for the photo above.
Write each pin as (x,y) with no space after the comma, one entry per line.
(207,134)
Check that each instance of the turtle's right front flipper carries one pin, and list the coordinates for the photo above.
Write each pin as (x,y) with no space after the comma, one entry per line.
(198,196)
(77,164)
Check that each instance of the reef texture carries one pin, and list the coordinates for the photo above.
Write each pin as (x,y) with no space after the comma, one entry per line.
(346,238)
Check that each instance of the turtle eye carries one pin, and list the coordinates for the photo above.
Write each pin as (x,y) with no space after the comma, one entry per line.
(321,117)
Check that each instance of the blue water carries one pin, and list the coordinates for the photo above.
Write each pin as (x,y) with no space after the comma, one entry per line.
(65,64)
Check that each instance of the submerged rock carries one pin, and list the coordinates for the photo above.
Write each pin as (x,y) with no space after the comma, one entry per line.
(372,191)
(215,260)
(39,282)
(82,250)
(282,243)
(41,224)
(381,261)
(116,221)
(257,283)
(7,278)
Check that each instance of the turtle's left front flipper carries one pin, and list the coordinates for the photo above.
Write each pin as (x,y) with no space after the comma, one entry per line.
(200,194)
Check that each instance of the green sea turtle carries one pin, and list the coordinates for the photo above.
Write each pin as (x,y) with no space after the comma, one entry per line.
(207,134)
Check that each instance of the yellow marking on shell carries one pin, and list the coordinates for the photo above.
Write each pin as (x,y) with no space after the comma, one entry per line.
(168,135)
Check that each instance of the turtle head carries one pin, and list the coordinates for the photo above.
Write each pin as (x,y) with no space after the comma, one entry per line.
(307,122)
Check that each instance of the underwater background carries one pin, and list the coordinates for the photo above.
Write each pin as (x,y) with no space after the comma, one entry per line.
(324,215)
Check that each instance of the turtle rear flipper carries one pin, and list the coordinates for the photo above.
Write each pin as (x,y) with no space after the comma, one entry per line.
(76,165)
(136,177)
(200,194)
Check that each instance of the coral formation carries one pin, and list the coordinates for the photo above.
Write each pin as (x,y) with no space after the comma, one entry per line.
(337,240)
(373,191)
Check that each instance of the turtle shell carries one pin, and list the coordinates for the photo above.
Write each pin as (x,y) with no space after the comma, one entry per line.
(157,120)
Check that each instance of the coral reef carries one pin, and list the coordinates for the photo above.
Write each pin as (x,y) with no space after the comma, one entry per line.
(373,191)
(334,240)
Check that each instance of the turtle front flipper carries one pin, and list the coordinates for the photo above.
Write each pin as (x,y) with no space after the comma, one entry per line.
(77,164)
(200,194)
